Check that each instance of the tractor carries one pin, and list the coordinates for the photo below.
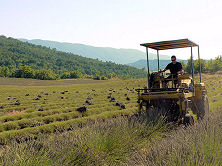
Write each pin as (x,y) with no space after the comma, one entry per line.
(175,103)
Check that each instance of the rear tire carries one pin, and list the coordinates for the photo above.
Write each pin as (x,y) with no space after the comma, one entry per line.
(201,107)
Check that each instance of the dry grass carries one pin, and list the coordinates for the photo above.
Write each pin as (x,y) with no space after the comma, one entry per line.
(104,143)
(200,144)
(123,141)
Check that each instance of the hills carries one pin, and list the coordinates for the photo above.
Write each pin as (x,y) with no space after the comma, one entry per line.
(119,56)
(15,53)
(153,64)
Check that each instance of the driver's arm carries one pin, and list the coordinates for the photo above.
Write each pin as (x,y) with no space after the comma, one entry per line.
(166,68)
(180,72)
(162,71)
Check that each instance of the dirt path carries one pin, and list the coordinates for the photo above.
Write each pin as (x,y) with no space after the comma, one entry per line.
(33,82)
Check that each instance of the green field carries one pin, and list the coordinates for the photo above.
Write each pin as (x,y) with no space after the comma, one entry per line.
(214,87)
(45,106)
(48,107)
(29,107)
(39,107)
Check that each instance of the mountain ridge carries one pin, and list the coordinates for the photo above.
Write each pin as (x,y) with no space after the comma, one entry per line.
(140,64)
(117,55)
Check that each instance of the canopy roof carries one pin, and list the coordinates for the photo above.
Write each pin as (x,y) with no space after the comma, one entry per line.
(164,45)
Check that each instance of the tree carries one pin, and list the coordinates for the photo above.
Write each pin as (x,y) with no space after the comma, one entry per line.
(188,66)
(24,72)
(213,66)
(112,75)
(65,75)
(76,74)
(44,74)
(4,71)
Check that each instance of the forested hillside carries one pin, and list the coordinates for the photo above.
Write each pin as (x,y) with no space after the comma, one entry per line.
(22,59)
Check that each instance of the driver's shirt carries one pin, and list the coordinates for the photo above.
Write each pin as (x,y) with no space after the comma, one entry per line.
(174,68)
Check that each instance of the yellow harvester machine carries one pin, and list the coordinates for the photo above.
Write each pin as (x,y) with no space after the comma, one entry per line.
(173,101)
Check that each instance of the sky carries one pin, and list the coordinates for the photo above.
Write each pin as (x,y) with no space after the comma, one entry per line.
(117,23)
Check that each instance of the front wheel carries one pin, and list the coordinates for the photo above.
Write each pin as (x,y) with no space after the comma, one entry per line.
(188,120)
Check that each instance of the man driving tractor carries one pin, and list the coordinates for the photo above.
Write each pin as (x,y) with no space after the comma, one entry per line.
(175,68)
(173,102)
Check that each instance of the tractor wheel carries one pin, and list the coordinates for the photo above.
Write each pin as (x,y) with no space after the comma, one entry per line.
(188,120)
(203,107)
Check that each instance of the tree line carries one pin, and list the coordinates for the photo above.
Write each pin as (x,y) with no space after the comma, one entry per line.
(209,66)
(43,74)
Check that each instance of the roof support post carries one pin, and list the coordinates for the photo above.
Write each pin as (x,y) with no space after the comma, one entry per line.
(148,67)
(158,59)
(199,63)
(192,62)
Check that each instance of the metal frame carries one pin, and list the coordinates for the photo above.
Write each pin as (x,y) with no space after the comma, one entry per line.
(172,44)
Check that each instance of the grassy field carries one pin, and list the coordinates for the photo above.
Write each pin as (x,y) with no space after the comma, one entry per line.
(29,107)
(193,146)
(214,87)
(47,106)
(106,139)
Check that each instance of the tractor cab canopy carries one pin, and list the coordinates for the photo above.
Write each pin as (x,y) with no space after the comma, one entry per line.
(171,44)
(164,45)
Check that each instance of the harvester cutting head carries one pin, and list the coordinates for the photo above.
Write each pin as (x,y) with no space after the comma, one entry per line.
(173,96)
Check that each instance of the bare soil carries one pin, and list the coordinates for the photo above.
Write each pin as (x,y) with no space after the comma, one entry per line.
(13,112)
(34,82)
